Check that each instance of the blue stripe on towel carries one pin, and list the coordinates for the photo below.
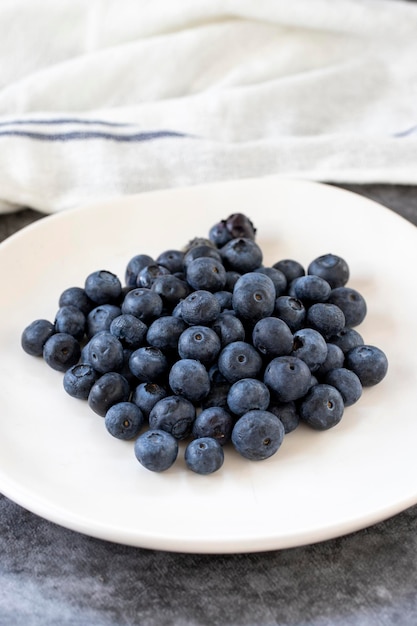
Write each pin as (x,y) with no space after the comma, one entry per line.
(63,120)
(83,135)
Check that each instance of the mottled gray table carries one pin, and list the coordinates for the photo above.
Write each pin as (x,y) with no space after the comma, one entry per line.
(51,576)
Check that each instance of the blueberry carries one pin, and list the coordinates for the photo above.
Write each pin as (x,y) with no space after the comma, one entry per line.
(148,364)
(76,296)
(79,379)
(272,337)
(288,378)
(109,389)
(290,268)
(219,234)
(156,450)
(189,378)
(206,273)
(347,339)
(69,319)
(322,407)
(328,319)
(351,302)
(35,336)
(150,273)
(369,363)
(124,420)
(201,250)
(104,352)
(229,328)
(231,279)
(199,342)
(217,396)
(134,266)
(291,310)
(204,455)
(239,225)
(247,394)
(310,346)
(102,287)
(257,435)
(200,307)
(241,255)
(332,268)
(335,358)
(239,359)
(164,332)
(171,289)
(287,413)
(175,415)
(172,260)
(101,317)
(224,298)
(254,296)
(346,382)
(143,303)
(277,277)
(310,289)
(129,330)
(146,395)
(61,351)
(215,422)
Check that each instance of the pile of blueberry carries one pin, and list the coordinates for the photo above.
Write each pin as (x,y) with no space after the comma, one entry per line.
(208,346)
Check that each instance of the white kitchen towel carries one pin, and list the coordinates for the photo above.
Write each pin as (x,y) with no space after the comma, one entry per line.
(111,97)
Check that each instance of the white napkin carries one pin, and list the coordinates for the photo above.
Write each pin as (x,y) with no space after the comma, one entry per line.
(111,97)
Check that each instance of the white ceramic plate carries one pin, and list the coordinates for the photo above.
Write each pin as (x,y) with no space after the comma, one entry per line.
(57,459)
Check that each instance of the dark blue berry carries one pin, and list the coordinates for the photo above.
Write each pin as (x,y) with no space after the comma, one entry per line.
(164,332)
(291,310)
(331,268)
(328,319)
(199,342)
(189,378)
(272,337)
(347,339)
(215,422)
(310,346)
(124,420)
(290,268)
(288,378)
(254,296)
(229,328)
(204,455)
(146,395)
(239,359)
(310,289)
(149,274)
(109,389)
(206,273)
(287,413)
(200,307)
(61,351)
(70,319)
(171,289)
(351,302)
(247,394)
(369,363)
(175,415)
(335,358)
(134,266)
(156,450)
(241,255)
(102,287)
(76,296)
(35,336)
(129,330)
(322,407)
(79,379)
(104,352)
(172,260)
(148,364)
(277,277)
(101,317)
(257,435)
(143,303)
(346,382)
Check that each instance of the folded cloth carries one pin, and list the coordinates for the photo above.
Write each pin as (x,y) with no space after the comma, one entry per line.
(104,98)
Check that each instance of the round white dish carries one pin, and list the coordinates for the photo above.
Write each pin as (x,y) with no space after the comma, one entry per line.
(56,457)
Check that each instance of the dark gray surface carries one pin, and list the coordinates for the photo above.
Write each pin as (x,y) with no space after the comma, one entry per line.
(53,576)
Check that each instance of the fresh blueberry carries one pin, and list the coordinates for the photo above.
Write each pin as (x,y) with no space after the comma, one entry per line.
(310,346)
(109,389)
(351,302)
(149,274)
(171,289)
(335,358)
(76,296)
(199,342)
(239,225)
(143,303)
(217,396)
(288,378)
(254,296)
(229,328)
(206,273)
(156,450)
(291,310)
(224,298)
(104,352)
(332,268)
(101,317)
(35,336)
(148,364)
(239,359)
(322,407)
(134,266)
(164,332)
(219,234)
(129,330)
(257,435)
(290,268)
(241,255)
(61,351)
(79,379)
(310,289)
(346,382)
(69,319)
(287,413)
(277,277)
(247,394)
(215,422)
(201,250)
(272,337)
(175,415)
(200,307)
(231,279)
(172,260)
(124,420)
(369,363)
(347,339)
(328,319)
(146,395)
(204,455)
(189,378)
(102,287)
